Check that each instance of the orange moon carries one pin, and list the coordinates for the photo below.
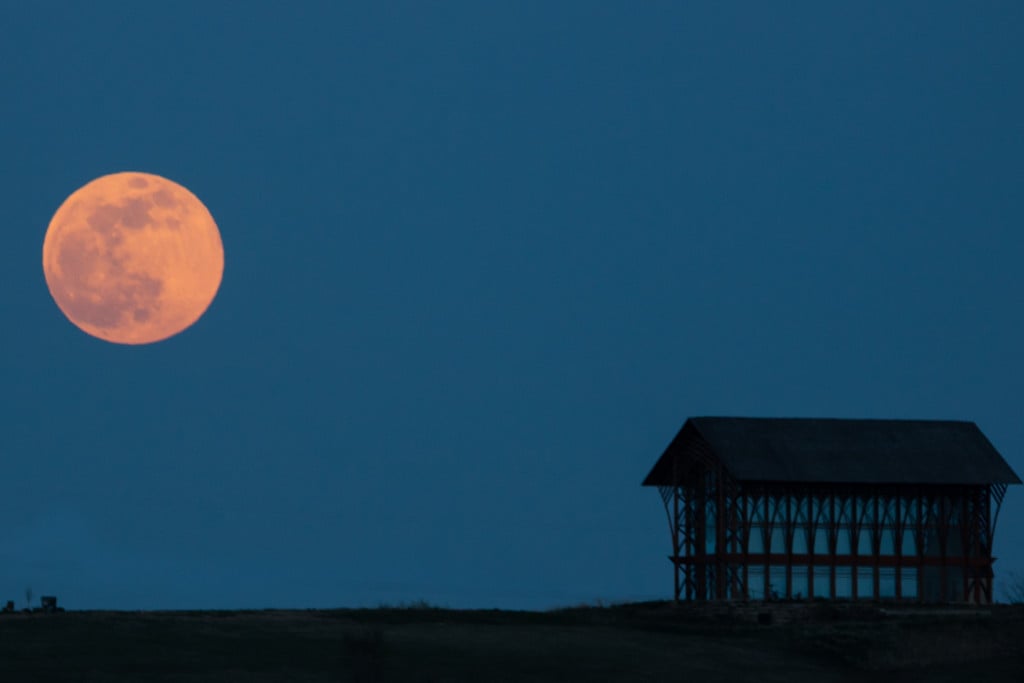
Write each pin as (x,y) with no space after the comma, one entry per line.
(133,258)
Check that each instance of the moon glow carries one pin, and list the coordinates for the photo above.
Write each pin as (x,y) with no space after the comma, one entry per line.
(133,258)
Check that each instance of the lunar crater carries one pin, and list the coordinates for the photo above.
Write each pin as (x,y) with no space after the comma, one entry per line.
(135,213)
(164,199)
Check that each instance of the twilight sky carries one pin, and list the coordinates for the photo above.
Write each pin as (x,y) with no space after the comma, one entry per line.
(482,261)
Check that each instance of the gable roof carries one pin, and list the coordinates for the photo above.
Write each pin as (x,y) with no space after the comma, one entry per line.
(837,450)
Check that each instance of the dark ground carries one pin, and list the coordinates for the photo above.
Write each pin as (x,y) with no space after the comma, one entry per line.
(421,644)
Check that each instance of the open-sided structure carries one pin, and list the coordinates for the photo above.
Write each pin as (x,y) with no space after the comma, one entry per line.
(763,508)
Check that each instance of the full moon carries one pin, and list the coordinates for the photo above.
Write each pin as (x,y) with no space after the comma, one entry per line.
(133,258)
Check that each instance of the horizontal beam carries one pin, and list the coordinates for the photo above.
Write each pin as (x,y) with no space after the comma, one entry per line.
(755,559)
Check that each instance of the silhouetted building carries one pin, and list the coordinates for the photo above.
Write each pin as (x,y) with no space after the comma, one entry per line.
(763,508)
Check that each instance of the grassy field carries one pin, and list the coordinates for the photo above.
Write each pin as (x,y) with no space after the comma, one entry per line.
(638,642)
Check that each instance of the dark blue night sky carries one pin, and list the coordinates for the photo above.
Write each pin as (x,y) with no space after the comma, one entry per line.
(482,261)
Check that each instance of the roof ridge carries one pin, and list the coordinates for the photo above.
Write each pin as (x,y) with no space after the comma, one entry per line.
(852,450)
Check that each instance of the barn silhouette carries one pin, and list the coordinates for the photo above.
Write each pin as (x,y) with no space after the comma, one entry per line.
(796,508)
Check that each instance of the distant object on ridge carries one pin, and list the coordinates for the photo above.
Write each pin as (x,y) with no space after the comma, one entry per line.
(773,508)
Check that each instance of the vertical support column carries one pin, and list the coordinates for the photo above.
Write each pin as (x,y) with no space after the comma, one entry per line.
(745,544)
(919,540)
(676,509)
(897,541)
(968,574)
(768,528)
(813,508)
(723,516)
(733,539)
(988,546)
(979,527)
(670,498)
(876,547)
(995,494)
(787,538)
(942,525)
(833,537)
(691,542)
(854,544)
(700,527)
